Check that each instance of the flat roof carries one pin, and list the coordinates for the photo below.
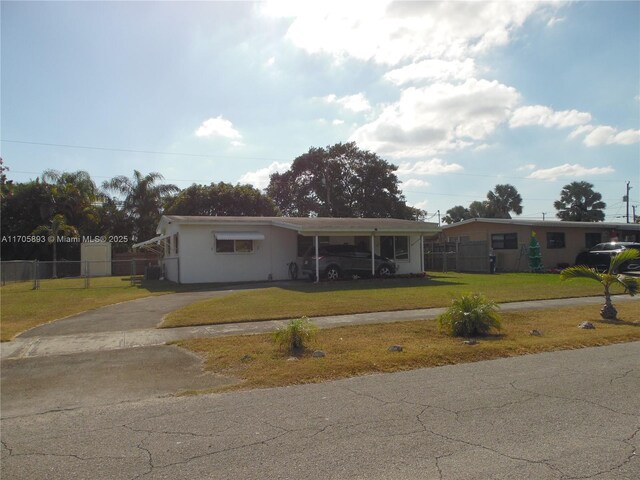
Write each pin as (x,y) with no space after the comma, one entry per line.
(313,225)
(546,223)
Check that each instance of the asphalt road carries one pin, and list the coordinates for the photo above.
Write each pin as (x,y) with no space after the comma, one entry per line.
(561,415)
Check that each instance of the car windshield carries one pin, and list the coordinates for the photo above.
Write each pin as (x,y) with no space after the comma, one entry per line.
(608,246)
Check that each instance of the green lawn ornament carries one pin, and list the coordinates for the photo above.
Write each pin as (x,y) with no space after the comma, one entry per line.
(535,259)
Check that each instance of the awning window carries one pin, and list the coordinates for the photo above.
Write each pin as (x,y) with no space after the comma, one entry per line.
(151,242)
(239,236)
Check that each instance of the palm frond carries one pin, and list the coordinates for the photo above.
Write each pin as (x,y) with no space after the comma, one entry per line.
(622,257)
(580,271)
(631,284)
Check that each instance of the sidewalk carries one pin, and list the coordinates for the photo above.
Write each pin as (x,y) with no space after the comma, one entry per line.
(36,346)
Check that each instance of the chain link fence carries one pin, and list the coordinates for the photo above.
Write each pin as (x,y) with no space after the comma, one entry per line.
(80,274)
(457,257)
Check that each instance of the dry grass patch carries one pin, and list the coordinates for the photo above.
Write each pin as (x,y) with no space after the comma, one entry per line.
(360,350)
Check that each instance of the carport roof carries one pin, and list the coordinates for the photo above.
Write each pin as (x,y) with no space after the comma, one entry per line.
(314,225)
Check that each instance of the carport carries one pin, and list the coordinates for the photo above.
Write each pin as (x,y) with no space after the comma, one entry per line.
(374,229)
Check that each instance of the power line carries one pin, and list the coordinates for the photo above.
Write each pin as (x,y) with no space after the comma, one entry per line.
(127,150)
(196,155)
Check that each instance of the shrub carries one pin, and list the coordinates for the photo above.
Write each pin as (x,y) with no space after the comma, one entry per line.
(295,334)
(470,315)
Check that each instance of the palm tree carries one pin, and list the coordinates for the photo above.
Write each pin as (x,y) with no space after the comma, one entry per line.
(502,200)
(143,199)
(607,279)
(58,226)
(580,203)
(75,195)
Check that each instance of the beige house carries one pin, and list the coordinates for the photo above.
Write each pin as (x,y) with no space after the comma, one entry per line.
(560,242)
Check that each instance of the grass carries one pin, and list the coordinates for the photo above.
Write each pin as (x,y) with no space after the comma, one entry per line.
(364,296)
(24,308)
(359,350)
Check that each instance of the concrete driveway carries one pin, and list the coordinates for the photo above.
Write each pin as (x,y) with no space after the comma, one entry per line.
(561,415)
(137,314)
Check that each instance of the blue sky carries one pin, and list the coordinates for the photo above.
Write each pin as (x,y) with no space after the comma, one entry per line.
(460,96)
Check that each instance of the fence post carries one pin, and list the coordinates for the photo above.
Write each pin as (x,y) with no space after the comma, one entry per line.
(35,275)
(86,274)
(133,270)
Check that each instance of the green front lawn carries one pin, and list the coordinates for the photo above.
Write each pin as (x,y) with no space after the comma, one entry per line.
(376,295)
(22,308)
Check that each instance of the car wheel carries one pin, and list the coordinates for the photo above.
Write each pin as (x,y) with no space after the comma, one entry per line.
(333,273)
(384,271)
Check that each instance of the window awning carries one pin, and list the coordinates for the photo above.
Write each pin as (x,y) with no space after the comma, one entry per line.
(239,236)
(153,241)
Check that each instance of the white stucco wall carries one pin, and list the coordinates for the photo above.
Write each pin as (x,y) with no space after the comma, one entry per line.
(414,265)
(199,261)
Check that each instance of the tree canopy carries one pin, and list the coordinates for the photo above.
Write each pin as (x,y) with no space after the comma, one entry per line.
(340,181)
(143,200)
(580,203)
(500,203)
(221,199)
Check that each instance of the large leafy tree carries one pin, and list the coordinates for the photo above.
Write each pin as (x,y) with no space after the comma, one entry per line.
(580,203)
(143,200)
(457,214)
(340,181)
(27,207)
(221,199)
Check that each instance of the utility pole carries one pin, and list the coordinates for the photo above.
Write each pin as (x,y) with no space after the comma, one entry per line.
(438,217)
(543,214)
(626,199)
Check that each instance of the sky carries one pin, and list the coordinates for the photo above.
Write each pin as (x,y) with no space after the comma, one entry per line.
(460,96)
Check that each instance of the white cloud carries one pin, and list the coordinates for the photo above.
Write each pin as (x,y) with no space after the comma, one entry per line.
(527,167)
(260,178)
(271,62)
(337,121)
(218,127)
(427,167)
(568,171)
(419,205)
(554,21)
(606,135)
(433,69)
(389,33)
(546,117)
(414,183)
(438,118)
(582,130)
(355,103)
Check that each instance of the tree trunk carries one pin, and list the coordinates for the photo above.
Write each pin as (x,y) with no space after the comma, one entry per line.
(608,311)
(55,270)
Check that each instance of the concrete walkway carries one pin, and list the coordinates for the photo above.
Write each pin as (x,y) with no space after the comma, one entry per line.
(103,330)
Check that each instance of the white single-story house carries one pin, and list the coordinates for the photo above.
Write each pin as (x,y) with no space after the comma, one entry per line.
(560,242)
(200,249)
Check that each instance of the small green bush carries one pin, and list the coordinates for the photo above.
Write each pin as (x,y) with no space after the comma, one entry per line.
(470,315)
(295,334)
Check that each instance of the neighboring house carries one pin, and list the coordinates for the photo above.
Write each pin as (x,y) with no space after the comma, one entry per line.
(240,249)
(560,242)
